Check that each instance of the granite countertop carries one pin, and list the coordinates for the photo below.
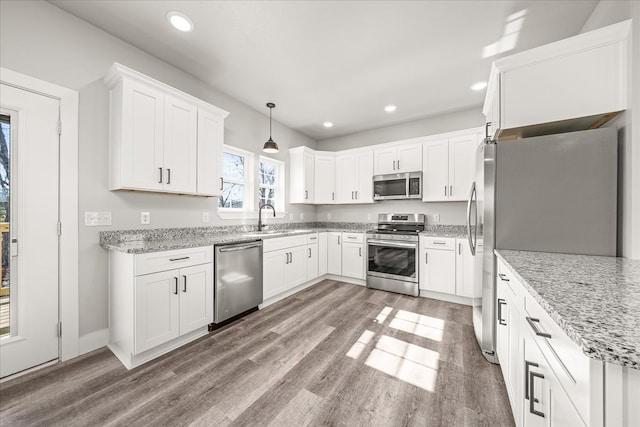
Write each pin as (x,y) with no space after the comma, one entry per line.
(594,299)
(155,240)
(447,231)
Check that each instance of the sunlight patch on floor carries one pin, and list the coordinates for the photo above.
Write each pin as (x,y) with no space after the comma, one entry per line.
(418,324)
(356,350)
(380,318)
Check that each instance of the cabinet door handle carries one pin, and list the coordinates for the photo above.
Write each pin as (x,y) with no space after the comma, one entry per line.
(168,176)
(291,257)
(532,398)
(445,191)
(503,277)
(450,190)
(356,194)
(160,181)
(360,252)
(333,196)
(459,248)
(306,194)
(394,165)
(309,249)
(338,240)
(486,130)
(398,164)
(532,322)
(175,286)
(527,365)
(501,302)
(426,258)
(184,283)
(221,183)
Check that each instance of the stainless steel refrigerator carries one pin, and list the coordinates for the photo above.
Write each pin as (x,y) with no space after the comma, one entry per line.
(554,193)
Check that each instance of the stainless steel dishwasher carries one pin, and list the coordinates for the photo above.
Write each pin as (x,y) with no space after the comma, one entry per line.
(238,281)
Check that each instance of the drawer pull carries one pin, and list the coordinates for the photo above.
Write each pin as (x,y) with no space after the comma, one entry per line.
(309,249)
(532,399)
(527,365)
(184,283)
(351,237)
(168,176)
(426,258)
(501,302)
(439,242)
(175,284)
(179,259)
(532,322)
(503,277)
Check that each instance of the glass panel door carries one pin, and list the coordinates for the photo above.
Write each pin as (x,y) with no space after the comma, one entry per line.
(5,218)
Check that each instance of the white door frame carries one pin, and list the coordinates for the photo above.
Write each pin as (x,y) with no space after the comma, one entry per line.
(68,242)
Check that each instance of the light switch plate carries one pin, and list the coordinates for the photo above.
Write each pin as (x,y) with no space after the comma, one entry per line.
(145,218)
(301,215)
(436,217)
(97,219)
(205,216)
(328,215)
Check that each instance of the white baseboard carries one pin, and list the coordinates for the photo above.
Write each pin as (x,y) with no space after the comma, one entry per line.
(446,297)
(346,279)
(93,341)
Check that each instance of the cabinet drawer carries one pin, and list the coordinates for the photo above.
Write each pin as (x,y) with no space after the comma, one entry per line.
(439,243)
(580,376)
(353,237)
(161,261)
(508,278)
(312,238)
(269,245)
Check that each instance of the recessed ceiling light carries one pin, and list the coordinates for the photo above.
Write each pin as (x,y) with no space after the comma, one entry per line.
(479,85)
(180,21)
(390,108)
(327,124)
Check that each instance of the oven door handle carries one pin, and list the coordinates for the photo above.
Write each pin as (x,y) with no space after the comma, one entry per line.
(387,243)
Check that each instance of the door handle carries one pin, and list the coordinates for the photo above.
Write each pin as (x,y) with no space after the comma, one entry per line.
(175,284)
(160,181)
(532,398)
(501,302)
(309,249)
(360,252)
(356,194)
(221,183)
(450,190)
(527,365)
(426,258)
(306,194)
(445,191)
(168,176)
(184,283)
(338,240)
(398,164)
(472,242)
(532,322)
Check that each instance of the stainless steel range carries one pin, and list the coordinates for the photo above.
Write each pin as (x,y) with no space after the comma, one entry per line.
(393,253)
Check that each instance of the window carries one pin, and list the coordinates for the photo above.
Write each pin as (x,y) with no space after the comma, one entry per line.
(237,189)
(271,183)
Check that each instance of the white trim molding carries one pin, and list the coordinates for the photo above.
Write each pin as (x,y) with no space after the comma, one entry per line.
(68,242)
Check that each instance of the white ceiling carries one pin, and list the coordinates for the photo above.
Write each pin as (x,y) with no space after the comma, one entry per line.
(339,61)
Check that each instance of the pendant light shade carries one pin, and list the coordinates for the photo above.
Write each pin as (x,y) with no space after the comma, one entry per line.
(270,146)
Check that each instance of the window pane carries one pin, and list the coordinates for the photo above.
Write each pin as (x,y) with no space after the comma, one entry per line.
(233,167)
(267,195)
(232,196)
(267,173)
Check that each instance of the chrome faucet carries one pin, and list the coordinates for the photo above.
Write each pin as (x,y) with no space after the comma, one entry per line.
(266,205)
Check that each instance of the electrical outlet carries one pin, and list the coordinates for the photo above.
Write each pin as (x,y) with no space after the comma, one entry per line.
(95,219)
(145,218)
(436,217)
(205,216)
(328,215)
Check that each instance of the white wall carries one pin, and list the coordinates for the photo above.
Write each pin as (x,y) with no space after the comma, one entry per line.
(450,212)
(628,126)
(42,41)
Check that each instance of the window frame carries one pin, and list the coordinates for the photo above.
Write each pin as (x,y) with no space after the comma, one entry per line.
(249,166)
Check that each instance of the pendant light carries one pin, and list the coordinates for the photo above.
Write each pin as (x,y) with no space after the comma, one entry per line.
(270,146)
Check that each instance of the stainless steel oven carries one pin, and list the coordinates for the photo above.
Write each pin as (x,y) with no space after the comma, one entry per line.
(392,249)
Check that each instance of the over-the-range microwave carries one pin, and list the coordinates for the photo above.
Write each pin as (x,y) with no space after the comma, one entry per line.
(397,186)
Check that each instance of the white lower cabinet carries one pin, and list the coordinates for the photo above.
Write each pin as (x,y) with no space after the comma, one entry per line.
(334,253)
(158,301)
(438,269)
(549,380)
(353,255)
(285,264)
(312,261)
(322,254)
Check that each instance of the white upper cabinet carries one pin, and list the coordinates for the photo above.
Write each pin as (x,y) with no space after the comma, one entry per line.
(579,80)
(160,139)
(354,177)
(324,178)
(449,164)
(302,175)
(398,158)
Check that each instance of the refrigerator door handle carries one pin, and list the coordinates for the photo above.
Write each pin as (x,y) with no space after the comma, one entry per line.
(472,243)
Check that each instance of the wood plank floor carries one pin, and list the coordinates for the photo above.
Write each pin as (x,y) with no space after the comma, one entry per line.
(333,354)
